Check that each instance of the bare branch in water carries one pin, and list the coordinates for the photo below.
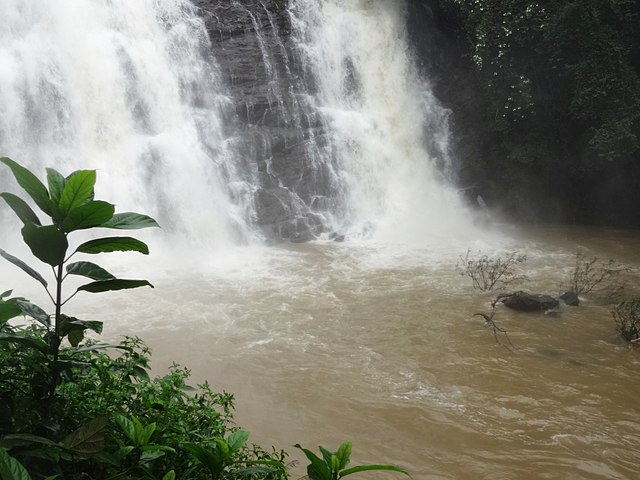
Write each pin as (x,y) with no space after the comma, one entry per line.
(490,323)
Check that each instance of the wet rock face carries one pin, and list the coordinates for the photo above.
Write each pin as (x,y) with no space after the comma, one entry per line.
(528,302)
(269,126)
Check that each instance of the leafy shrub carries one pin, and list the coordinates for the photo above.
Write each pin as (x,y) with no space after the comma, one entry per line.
(627,317)
(333,465)
(68,408)
(488,272)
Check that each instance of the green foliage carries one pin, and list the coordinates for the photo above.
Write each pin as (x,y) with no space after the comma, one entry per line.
(221,459)
(488,272)
(332,465)
(11,469)
(69,203)
(557,89)
(68,408)
(532,54)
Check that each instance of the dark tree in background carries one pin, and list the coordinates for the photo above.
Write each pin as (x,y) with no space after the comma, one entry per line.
(546,104)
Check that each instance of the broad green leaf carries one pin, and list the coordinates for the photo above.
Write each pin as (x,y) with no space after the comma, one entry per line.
(149,455)
(128,427)
(123,452)
(75,336)
(364,468)
(47,243)
(35,312)
(34,343)
(115,284)
(170,475)
(206,457)
(30,183)
(11,469)
(146,433)
(56,183)
(335,463)
(113,244)
(22,439)
(89,215)
(9,310)
(222,450)
(89,438)
(326,455)
(21,209)
(77,190)
(24,267)
(237,440)
(69,323)
(318,469)
(5,294)
(130,221)
(344,454)
(89,270)
(139,372)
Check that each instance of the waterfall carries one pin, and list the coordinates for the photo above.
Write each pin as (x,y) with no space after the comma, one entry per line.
(388,137)
(319,129)
(129,88)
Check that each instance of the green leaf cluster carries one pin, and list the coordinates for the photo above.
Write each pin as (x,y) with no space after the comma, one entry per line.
(332,465)
(70,205)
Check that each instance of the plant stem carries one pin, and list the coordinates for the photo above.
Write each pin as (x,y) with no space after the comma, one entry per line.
(58,305)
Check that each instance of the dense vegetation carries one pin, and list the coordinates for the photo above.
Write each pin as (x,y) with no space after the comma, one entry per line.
(545,99)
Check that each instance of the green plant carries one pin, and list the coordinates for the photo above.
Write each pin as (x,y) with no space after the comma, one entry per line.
(222,459)
(487,272)
(70,206)
(12,469)
(69,408)
(136,454)
(332,465)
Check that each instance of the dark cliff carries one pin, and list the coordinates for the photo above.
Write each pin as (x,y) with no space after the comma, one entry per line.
(271,126)
(539,170)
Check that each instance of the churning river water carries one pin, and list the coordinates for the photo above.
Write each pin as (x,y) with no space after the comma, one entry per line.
(324,342)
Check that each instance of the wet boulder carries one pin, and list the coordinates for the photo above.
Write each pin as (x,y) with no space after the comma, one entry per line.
(529,302)
(570,298)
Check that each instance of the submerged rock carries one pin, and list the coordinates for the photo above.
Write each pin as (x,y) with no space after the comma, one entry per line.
(528,302)
(570,298)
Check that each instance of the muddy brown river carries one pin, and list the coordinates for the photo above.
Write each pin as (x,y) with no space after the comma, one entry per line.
(324,342)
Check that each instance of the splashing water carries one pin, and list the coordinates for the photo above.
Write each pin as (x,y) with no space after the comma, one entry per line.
(130,89)
(387,132)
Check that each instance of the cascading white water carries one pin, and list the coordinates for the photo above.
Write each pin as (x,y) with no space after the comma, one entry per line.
(381,117)
(128,88)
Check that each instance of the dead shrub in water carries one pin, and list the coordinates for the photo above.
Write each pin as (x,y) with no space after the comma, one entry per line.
(627,317)
(590,273)
(488,272)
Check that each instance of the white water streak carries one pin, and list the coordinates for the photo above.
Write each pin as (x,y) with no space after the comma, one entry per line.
(128,88)
(381,118)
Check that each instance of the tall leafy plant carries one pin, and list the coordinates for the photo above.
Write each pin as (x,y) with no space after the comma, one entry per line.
(333,465)
(69,205)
